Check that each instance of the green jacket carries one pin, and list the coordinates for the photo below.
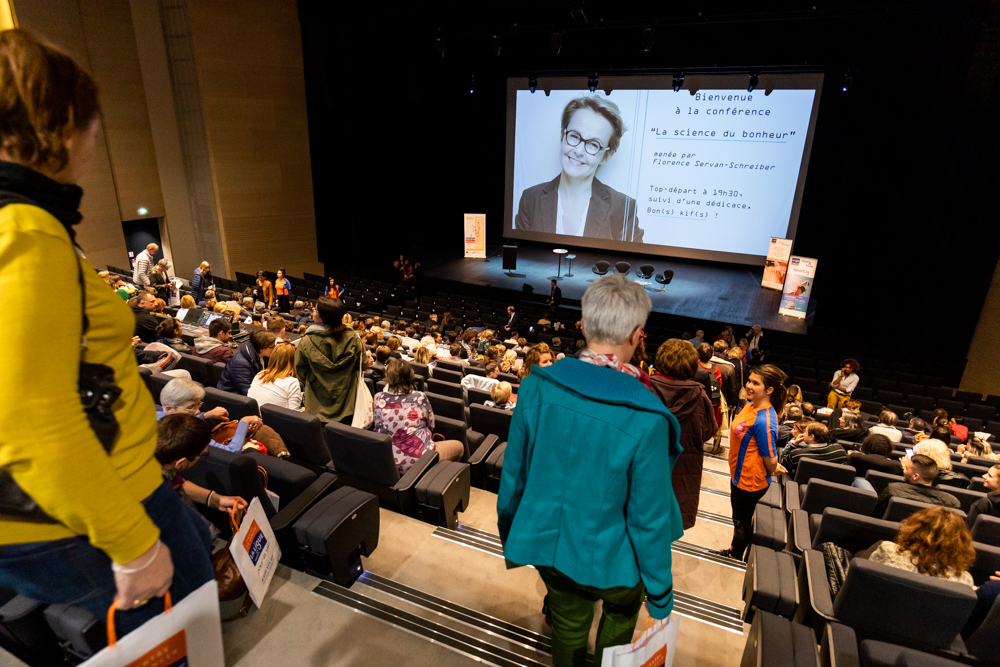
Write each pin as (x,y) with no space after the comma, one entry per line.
(586,480)
(328,368)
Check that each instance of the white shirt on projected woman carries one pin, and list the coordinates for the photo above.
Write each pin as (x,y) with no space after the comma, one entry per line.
(570,227)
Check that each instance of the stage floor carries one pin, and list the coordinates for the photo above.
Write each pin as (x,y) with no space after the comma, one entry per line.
(701,291)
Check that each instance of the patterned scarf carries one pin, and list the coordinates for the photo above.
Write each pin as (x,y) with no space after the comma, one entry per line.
(611,361)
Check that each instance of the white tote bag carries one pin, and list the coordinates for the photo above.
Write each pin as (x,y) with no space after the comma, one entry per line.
(364,405)
(190,633)
(654,648)
(255,551)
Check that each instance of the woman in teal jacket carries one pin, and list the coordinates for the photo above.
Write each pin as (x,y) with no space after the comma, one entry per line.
(586,495)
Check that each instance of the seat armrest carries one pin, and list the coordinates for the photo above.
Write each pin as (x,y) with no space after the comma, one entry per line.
(484,449)
(815,601)
(799,538)
(839,647)
(416,471)
(290,513)
(792,496)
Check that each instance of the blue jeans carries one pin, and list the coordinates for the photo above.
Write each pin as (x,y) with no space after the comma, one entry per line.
(72,571)
(862,483)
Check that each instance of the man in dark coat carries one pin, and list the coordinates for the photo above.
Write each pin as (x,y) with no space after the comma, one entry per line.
(145,322)
(245,364)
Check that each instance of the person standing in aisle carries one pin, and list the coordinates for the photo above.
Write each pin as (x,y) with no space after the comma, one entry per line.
(753,450)
(282,288)
(143,265)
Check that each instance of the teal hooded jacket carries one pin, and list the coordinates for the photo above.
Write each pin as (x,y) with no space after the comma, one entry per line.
(586,480)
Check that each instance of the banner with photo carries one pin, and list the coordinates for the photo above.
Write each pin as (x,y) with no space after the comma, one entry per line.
(475,235)
(776,264)
(798,286)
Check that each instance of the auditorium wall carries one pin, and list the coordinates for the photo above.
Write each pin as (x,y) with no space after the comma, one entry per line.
(257,182)
(982,372)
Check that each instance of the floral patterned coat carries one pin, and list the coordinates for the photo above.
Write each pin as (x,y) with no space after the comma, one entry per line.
(409,419)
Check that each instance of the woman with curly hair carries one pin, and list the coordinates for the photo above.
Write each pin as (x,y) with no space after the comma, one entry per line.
(540,355)
(934,541)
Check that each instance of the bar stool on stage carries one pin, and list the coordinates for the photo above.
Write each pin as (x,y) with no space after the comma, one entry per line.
(569,265)
(560,252)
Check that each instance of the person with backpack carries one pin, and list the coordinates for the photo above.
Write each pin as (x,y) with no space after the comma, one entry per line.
(711,377)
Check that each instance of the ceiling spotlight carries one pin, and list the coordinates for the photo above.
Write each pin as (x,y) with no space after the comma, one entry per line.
(556,43)
(754,80)
(532,83)
(472,84)
(848,80)
(678,82)
(495,45)
(647,38)
(593,82)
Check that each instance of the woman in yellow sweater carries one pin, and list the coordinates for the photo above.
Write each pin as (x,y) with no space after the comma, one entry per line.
(105,526)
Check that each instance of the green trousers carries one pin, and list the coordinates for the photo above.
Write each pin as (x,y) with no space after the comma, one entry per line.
(572,613)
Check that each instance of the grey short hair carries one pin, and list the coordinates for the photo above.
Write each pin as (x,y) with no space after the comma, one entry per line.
(299,305)
(180,391)
(165,263)
(613,307)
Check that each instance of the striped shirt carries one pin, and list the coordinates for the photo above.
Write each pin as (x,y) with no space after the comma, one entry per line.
(831,452)
(752,438)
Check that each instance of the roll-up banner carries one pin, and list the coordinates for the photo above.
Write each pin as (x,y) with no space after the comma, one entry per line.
(776,264)
(475,235)
(798,286)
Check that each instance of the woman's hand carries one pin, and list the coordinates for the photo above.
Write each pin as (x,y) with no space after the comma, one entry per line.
(217,413)
(252,419)
(227,502)
(136,341)
(148,576)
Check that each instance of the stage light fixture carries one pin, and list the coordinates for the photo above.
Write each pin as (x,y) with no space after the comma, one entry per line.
(648,34)
(678,82)
(472,83)
(556,43)
(754,80)
(532,83)
(593,81)
(848,80)
(495,45)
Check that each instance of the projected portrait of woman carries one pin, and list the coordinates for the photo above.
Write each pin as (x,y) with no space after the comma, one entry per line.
(576,203)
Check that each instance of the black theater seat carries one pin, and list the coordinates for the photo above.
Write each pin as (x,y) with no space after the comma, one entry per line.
(301,431)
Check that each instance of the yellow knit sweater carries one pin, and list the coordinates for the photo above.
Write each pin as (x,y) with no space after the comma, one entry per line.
(46,442)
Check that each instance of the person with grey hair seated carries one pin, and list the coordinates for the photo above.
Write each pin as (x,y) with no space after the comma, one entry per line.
(887,426)
(586,494)
(181,395)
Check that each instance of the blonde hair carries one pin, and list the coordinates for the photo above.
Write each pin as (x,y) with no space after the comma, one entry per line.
(187,301)
(602,106)
(935,449)
(510,356)
(422,355)
(282,364)
(501,392)
(205,266)
(220,307)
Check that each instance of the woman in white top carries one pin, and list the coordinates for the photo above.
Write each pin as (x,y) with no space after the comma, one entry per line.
(887,426)
(277,384)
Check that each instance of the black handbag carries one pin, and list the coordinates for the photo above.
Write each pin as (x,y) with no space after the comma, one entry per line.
(98,393)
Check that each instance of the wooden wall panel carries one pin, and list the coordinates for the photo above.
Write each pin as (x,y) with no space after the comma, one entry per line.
(114,60)
(982,371)
(249,60)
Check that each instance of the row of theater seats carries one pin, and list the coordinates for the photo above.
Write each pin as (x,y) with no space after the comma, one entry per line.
(891,612)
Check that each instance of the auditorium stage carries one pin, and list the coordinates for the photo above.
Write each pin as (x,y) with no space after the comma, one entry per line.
(700,292)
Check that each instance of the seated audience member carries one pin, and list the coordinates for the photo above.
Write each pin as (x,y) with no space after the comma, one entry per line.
(394,343)
(215,345)
(209,305)
(941,453)
(187,301)
(181,395)
(977,448)
(942,433)
(168,332)
(522,344)
(160,306)
(933,541)
(495,353)
(485,340)
(808,410)
(405,414)
(798,433)
(990,505)
(850,428)
(500,396)
(472,381)
(511,338)
(887,426)
(675,386)
(852,405)
(469,343)
(142,305)
(278,384)
(246,363)
(377,370)
(209,295)
(277,325)
(794,396)
(918,475)
(540,355)
(508,364)
(815,444)
(301,331)
(873,455)
(423,355)
(916,425)
(181,441)
(456,350)
(793,414)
